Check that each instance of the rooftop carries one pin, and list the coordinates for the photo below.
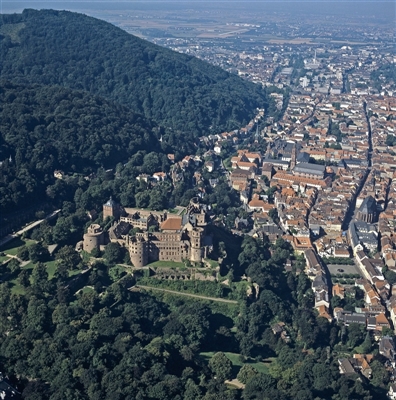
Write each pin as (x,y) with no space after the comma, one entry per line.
(368,206)
(110,202)
(172,224)
(308,167)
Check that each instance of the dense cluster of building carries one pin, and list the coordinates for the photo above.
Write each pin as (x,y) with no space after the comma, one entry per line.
(327,69)
(319,160)
(154,236)
(320,285)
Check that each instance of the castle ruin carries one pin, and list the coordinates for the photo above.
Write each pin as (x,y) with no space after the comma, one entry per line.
(163,237)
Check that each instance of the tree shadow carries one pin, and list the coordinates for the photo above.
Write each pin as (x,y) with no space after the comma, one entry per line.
(12,244)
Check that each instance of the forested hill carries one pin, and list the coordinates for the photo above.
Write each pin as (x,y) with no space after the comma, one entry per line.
(45,128)
(76,51)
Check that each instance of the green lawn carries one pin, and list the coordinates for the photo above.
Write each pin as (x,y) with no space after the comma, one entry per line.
(13,246)
(87,289)
(17,242)
(51,268)
(260,366)
(212,263)
(74,272)
(16,287)
(85,256)
(167,264)
(4,258)
(116,272)
(29,265)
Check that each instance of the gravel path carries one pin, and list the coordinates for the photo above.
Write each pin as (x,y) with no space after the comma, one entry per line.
(197,296)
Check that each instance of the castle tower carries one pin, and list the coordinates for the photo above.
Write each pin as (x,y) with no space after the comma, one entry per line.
(194,206)
(196,245)
(93,239)
(111,209)
(201,219)
(138,251)
(196,213)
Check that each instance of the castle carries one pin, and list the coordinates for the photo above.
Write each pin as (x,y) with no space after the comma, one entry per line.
(162,237)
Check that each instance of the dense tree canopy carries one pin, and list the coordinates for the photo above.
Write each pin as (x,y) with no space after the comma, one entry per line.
(44,129)
(80,52)
(84,335)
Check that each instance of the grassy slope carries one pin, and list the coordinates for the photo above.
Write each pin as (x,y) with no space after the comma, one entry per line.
(12,249)
(260,366)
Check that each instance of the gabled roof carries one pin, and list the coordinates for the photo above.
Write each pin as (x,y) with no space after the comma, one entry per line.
(381,319)
(368,206)
(338,290)
(172,224)
(345,366)
(309,168)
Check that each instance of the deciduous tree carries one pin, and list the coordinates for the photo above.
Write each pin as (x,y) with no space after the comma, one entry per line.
(221,366)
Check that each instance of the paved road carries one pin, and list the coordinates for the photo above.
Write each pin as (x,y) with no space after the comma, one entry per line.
(21,263)
(188,294)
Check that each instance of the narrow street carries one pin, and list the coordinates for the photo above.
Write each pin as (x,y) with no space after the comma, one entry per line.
(351,212)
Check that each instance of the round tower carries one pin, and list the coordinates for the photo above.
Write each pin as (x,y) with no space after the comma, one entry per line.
(138,252)
(196,245)
(93,238)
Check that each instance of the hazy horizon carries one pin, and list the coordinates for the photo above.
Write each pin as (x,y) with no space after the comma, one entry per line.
(366,9)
